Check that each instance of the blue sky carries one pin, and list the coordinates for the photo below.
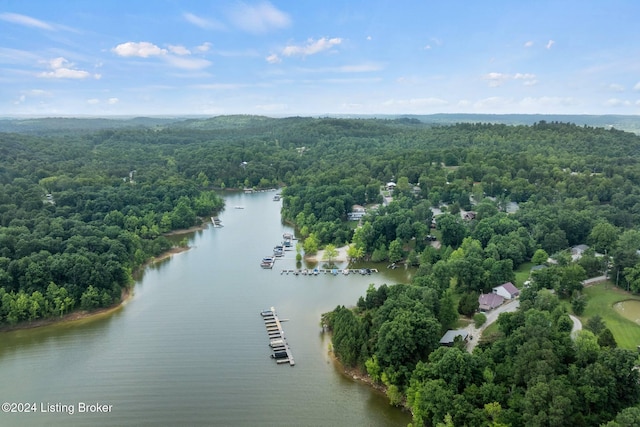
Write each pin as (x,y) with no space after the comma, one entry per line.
(283,58)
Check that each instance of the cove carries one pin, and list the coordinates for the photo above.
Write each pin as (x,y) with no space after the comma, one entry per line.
(190,348)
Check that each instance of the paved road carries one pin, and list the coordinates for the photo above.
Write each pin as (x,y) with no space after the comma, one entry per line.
(508,307)
(492,316)
(577,326)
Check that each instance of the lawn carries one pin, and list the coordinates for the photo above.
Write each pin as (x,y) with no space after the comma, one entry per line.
(602,297)
(522,274)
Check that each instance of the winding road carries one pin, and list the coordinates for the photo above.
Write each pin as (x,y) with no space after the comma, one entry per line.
(508,307)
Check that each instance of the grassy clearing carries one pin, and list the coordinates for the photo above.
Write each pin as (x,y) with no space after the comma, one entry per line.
(602,298)
(522,274)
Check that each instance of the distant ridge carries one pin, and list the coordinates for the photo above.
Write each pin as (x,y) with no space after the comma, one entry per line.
(87,124)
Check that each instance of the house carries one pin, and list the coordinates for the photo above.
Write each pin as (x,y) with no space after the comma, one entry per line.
(469,215)
(488,302)
(390,186)
(450,336)
(577,251)
(507,291)
(357,212)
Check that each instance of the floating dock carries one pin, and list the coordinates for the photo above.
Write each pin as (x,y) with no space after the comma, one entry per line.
(281,351)
(333,271)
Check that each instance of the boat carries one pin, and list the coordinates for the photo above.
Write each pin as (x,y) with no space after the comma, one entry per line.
(267,262)
(278,251)
(276,198)
(238,207)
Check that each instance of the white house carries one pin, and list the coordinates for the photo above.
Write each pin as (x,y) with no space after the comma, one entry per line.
(507,291)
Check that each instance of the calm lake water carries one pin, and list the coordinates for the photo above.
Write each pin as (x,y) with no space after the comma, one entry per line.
(190,348)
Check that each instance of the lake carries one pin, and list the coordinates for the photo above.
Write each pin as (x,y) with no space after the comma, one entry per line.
(190,347)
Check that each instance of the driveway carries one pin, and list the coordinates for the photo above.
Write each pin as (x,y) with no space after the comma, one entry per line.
(492,316)
(508,307)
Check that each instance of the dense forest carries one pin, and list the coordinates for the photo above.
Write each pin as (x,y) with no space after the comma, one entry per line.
(83,205)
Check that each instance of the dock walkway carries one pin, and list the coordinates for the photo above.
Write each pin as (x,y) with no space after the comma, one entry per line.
(281,351)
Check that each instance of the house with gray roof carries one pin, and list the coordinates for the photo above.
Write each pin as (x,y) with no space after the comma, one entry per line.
(450,336)
(488,302)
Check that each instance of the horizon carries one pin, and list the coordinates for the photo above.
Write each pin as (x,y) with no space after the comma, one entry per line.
(283,58)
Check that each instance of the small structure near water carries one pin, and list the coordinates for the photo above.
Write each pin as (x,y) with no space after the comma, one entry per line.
(281,351)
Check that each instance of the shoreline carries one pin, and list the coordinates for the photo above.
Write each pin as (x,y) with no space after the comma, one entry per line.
(318,256)
(74,316)
(126,295)
(356,375)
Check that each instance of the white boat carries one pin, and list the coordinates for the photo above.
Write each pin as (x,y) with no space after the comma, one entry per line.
(267,262)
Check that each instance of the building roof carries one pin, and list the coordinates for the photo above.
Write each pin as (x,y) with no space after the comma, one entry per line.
(450,336)
(490,301)
(509,287)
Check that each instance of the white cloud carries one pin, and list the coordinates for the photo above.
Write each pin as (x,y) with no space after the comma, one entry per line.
(179,50)
(206,24)
(637,87)
(273,59)
(62,69)
(550,43)
(311,47)
(175,55)
(27,21)
(259,18)
(139,49)
(204,47)
(528,43)
(112,101)
(616,87)
(496,79)
(93,101)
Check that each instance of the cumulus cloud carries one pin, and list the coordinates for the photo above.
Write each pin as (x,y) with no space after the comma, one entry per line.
(93,101)
(112,101)
(550,43)
(63,69)
(176,55)
(139,49)
(528,43)
(259,18)
(311,47)
(26,21)
(637,87)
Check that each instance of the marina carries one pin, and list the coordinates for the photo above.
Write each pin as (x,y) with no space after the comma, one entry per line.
(333,271)
(280,349)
